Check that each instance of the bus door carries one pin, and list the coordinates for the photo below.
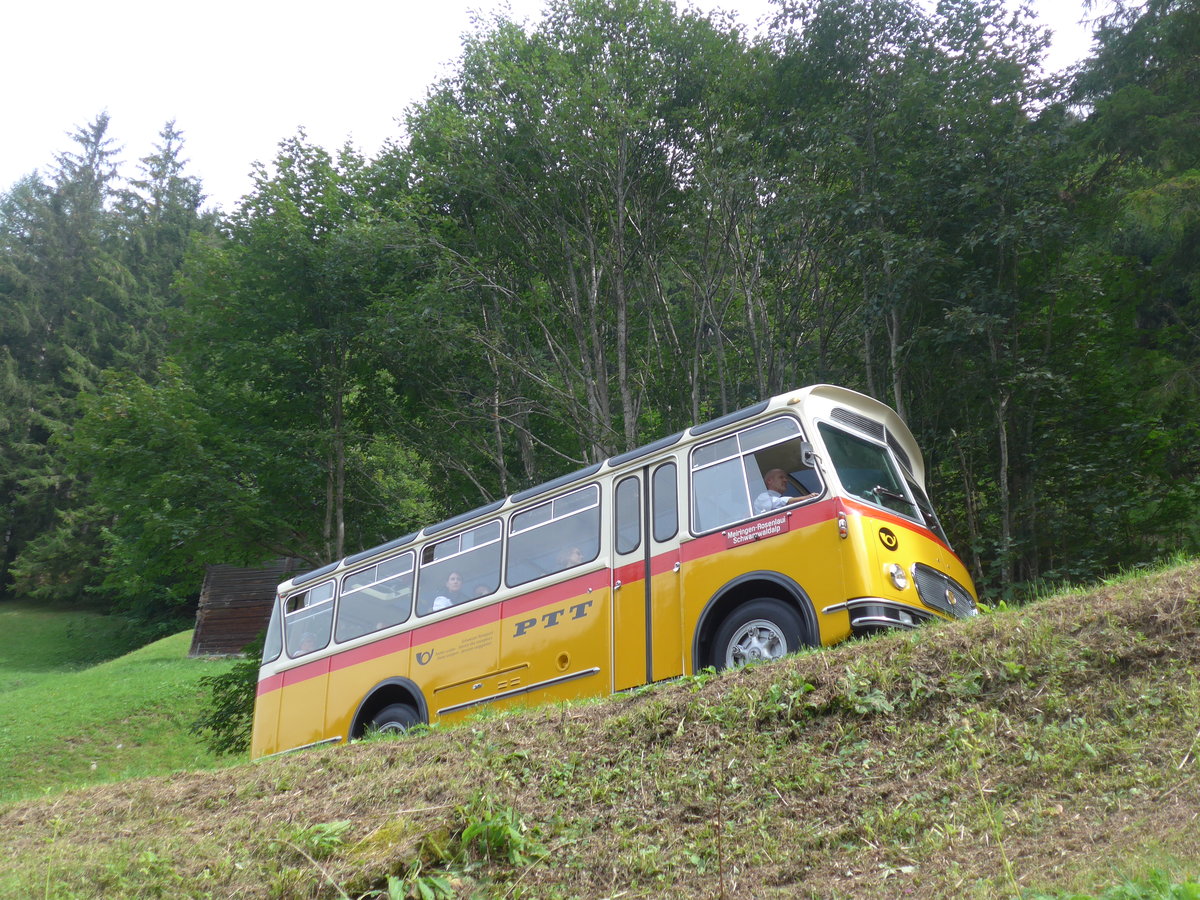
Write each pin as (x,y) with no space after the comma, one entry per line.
(647,618)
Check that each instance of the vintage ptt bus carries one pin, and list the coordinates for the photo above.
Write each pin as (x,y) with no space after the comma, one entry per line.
(797,522)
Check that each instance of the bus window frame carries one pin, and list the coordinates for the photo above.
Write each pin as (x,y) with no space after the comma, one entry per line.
(273,642)
(925,507)
(633,522)
(342,593)
(657,492)
(746,456)
(550,503)
(440,561)
(311,611)
(899,473)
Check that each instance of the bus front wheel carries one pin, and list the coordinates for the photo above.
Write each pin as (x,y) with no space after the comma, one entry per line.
(759,630)
(395,718)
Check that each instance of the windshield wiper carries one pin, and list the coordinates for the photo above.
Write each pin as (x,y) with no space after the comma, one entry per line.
(880,491)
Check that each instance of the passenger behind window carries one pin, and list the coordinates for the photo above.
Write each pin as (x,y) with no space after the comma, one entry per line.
(452,595)
(308,643)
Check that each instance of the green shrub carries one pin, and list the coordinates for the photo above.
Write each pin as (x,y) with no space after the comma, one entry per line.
(228,715)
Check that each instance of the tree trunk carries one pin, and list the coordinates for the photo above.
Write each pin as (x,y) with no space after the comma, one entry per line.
(621,298)
(1005,498)
(894,328)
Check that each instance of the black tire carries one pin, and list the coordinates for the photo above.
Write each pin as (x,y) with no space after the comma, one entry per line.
(395,718)
(759,630)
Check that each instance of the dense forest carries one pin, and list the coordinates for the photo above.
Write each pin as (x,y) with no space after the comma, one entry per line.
(598,229)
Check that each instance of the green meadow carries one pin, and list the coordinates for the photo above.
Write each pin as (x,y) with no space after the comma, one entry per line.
(71,715)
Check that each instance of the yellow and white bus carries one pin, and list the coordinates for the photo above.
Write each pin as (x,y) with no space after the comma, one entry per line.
(797,522)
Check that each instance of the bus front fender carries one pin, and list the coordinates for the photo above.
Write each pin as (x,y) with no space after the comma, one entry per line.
(743,589)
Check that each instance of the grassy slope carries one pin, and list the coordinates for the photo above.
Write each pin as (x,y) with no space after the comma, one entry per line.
(63,725)
(39,643)
(1052,747)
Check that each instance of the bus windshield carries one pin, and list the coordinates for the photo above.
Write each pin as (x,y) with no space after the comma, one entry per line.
(867,471)
(931,518)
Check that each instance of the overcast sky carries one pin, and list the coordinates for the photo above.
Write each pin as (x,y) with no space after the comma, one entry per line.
(238,76)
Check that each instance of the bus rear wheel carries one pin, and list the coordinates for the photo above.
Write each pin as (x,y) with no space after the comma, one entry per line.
(395,718)
(759,630)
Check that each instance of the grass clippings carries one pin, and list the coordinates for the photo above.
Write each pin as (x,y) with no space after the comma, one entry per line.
(1048,749)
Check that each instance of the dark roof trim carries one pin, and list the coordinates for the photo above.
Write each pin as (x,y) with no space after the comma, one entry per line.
(639,452)
(382,548)
(315,573)
(464,517)
(556,483)
(732,417)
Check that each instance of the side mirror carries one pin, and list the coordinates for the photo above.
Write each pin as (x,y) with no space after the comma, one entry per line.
(807,455)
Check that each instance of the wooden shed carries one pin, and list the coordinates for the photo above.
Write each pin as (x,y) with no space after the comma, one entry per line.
(235,604)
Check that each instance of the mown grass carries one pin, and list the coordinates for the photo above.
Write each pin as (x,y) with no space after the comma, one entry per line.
(1048,751)
(66,724)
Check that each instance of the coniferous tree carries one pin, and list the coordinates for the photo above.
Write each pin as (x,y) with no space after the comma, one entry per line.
(87,266)
(61,301)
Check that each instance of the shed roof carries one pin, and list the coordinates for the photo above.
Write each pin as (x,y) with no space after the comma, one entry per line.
(235,605)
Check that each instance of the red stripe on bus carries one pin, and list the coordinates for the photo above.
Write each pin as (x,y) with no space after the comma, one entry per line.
(475,618)
(874,512)
(397,643)
(706,545)
(314,669)
(800,517)
(556,593)
(631,572)
(663,563)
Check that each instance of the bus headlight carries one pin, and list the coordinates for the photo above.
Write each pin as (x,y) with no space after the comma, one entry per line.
(896,573)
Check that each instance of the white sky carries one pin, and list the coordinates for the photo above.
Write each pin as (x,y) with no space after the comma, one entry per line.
(239,76)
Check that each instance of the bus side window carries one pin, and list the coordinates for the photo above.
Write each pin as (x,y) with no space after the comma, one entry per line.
(464,567)
(273,645)
(666,503)
(719,495)
(552,537)
(308,620)
(731,472)
(627,516)
(375,598)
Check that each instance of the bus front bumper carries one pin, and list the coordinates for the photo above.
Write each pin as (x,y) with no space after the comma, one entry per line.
(871,615)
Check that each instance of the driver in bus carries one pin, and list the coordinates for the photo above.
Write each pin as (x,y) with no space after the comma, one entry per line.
(779,492)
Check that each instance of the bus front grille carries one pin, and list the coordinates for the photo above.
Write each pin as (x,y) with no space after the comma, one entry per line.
(939,591)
